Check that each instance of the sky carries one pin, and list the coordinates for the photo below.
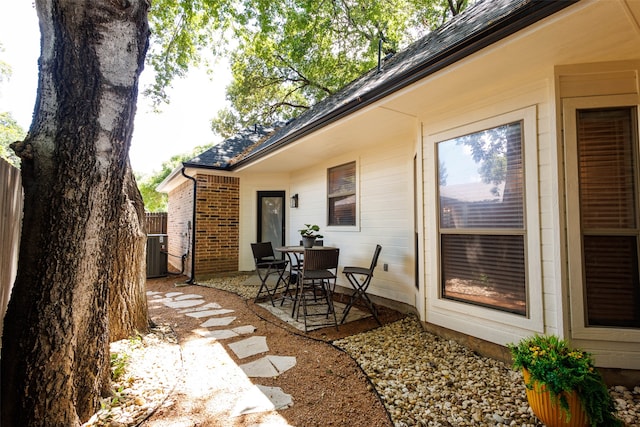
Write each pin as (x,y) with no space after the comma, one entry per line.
(181,125)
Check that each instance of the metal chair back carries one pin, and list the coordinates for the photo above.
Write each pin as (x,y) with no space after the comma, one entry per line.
(262,252)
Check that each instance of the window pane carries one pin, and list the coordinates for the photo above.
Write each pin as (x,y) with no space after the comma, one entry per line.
(342,180)
(605,155)
(341,189)
(613,289)
(486,270)
(481,179)
(607,168)
(342,210)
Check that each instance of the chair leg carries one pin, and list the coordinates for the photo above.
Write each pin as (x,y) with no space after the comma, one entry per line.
(271,293)
(309,295)
(372,308)
(264,288)
(347,308)
(359,293)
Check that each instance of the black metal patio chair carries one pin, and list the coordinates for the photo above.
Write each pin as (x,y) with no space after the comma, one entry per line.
(360,287)
(268,265)
(316,287)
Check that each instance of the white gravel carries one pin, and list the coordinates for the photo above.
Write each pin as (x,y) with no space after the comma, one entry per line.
(425,380)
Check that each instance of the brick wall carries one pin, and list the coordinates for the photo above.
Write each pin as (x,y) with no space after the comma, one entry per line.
(218,224)
(179,227)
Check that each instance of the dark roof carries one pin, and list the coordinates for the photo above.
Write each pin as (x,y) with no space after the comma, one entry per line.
(221,155)
(478,26)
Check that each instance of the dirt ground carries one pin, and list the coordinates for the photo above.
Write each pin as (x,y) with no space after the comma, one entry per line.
(326,385)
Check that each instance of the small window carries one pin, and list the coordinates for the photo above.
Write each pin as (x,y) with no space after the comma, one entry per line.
(342,194)
(481,218)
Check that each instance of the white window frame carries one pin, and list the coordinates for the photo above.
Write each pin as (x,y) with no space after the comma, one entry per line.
(462,311)
(579,329)
(356,226)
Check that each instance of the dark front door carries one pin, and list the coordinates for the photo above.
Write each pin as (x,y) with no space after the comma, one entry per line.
(271,217)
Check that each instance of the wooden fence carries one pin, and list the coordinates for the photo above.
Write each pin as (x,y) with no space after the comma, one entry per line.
(11,199)
(156,222)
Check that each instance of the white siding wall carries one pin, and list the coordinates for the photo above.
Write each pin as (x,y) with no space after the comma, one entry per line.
(385,208)
(250,184)
(385,202)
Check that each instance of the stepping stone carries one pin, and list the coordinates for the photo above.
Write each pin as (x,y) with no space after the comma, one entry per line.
(244,330)
(268,366)
(153,293)
(280,399)
(260,368)
(249,347)
(262,399)
(217,321)
(220,334)
(282,363)
(209,313)
(184,303)
(173,294)
(188,296)
(209,306)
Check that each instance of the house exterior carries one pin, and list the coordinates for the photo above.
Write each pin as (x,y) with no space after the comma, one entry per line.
(496,161)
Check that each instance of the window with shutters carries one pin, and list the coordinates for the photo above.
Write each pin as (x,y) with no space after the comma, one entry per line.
(341,193)
(483,236)
(603,154)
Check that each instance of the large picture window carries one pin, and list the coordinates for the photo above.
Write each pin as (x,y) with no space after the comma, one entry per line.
(482,218)
(342,194)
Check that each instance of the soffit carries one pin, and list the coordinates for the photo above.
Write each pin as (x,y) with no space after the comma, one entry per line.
(358,132)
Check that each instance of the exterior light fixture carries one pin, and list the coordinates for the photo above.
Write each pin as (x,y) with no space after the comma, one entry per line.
(294,201)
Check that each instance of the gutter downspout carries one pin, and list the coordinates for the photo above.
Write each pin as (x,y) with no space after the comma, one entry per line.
(191,280)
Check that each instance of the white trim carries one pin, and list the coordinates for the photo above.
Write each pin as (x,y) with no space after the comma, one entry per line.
(344,228)
(574,241)
(534,321)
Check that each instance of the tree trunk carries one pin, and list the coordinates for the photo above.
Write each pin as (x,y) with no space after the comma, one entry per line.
(127,298)
(55,358)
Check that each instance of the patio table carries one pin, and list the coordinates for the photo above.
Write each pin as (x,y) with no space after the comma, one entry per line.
(295,252)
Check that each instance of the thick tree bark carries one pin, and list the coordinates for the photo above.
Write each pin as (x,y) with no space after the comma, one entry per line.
(127,298)
(55,358)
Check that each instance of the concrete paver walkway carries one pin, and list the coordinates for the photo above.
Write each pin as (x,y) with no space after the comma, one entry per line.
(254,398)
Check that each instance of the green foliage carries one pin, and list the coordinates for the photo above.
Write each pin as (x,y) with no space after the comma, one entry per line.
(119,363)
(180,29)
(311,231)
(10,131)
(551,362)
(154,201)
(285,56)
(290,56)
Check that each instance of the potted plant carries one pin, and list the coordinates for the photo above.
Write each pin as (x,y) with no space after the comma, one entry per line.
(309,235)
(565,380)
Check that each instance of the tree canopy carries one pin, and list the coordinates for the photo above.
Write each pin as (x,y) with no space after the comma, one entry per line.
(10,130)
(154,201)
(285,56)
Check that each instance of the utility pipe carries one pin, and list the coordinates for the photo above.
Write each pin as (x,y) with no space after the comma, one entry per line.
(193,229)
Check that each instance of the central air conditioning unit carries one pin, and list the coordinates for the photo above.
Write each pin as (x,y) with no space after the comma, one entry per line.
(157,255)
